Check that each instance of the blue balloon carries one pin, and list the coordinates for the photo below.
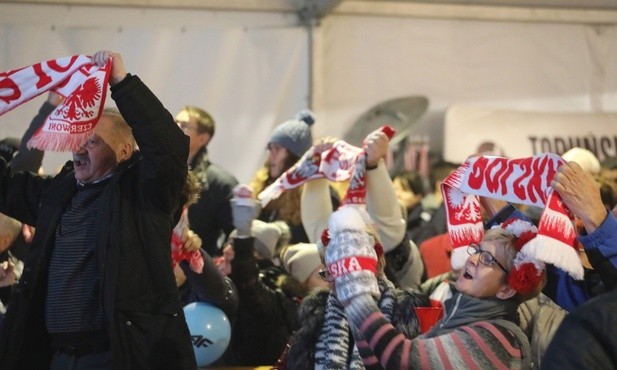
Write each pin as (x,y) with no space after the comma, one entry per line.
(210,331)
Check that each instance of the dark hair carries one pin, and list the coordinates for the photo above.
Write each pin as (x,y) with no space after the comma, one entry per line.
(609,163)
(9,147)
(607,193)
(439,171)
(411,180)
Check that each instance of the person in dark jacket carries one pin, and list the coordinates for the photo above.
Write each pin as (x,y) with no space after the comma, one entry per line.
(211,216)
(114,304)
(581,193)
(586,337)
(268,295)
(591,323)
(199,282)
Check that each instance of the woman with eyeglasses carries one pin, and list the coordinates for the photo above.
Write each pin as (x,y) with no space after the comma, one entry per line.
(479,328)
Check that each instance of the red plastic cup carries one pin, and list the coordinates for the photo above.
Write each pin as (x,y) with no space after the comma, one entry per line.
(428,316)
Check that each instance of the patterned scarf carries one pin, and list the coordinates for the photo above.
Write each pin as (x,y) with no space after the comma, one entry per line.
(332,349)
(342,162)
(83,84)
(522,181)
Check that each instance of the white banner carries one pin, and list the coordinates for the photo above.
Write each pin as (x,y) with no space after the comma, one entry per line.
(517,134)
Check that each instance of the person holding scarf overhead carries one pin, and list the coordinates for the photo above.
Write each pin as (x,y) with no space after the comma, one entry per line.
(98,290)
(504,266)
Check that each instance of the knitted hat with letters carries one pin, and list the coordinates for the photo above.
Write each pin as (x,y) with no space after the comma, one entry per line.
(350,254)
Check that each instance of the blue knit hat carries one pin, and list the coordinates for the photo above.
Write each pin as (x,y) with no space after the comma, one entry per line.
(295,134)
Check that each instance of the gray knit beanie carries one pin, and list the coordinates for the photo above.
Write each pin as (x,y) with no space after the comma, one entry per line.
(295,134)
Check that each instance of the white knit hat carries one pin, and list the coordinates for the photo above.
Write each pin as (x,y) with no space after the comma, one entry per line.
(300,260)
(268,236)
(585,158)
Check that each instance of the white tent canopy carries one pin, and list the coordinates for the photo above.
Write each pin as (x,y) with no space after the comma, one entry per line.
(253,64)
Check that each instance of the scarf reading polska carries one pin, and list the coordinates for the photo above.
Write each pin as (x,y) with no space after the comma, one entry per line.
(78,80)
(520,181)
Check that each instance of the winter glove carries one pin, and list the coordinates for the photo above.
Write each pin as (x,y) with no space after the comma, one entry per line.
(244,209)
(350,255)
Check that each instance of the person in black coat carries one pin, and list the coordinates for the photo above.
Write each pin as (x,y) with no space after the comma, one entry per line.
(210,216)
(586,337)
(114,304)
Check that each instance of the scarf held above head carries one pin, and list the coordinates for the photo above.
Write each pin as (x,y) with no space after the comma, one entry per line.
(342,162)
(78,80)
(523,181)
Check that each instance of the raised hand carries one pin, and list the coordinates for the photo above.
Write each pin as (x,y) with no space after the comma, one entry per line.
(244,209)
(581,194)
(118,72)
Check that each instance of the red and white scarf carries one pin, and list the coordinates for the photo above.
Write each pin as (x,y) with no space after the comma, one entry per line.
(178,253)
(342,162)
(84,86)
(522,181)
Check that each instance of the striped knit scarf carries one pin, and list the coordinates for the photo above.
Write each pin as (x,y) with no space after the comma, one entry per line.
(463,309)
(84,86)
(332,348)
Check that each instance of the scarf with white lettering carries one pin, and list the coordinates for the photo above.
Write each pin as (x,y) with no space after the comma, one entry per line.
(342,162)
(84,86)
(522,181)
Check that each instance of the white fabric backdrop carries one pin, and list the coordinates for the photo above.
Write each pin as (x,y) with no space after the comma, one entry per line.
(507,65)
(250,70)
(522,134)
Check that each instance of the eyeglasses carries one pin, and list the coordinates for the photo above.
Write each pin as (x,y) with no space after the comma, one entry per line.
(186,126)
(324,274)
(485,257)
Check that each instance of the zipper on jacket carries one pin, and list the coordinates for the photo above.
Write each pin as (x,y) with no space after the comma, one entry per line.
(454,309)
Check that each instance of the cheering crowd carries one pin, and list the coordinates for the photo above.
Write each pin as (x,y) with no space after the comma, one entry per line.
(323,261)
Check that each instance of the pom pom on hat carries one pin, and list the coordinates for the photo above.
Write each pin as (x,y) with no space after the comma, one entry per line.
(305,116)
(345,218)
(295,135)
(527,272)
(300,260)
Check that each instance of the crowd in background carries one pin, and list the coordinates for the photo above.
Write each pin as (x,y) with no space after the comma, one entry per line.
(279,271)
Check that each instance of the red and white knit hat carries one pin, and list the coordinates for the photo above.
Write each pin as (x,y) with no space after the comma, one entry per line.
(522,181)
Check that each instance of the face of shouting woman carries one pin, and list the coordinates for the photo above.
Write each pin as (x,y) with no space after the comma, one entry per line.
(484,274)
